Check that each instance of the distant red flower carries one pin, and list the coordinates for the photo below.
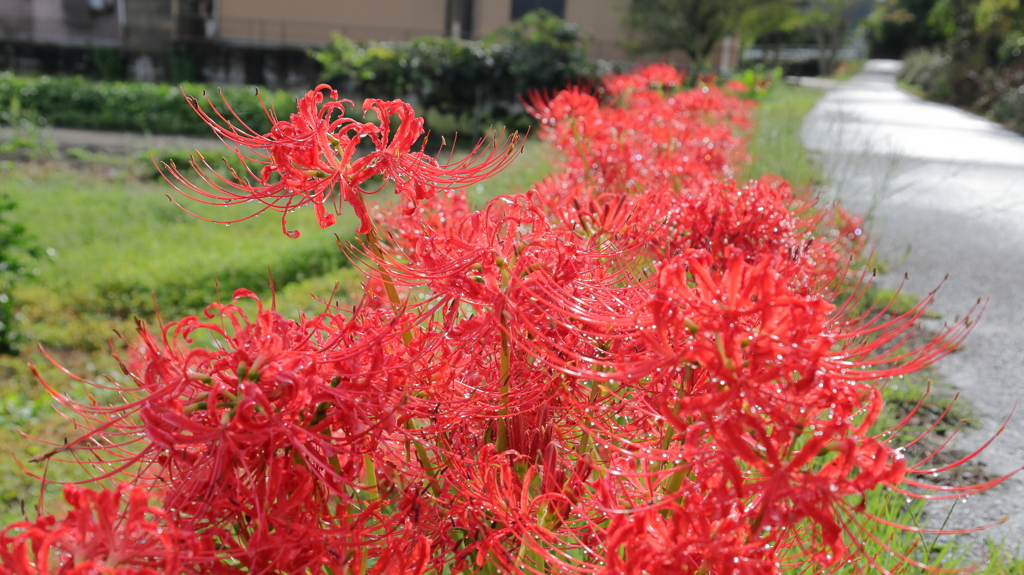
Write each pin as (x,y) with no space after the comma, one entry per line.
(735,86)
(651,77)
(109,532)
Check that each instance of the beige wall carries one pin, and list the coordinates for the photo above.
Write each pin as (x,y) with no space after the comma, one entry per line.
(602,20)
(490,15)
(313,21)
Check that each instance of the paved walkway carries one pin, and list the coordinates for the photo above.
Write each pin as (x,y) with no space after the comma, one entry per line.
(946,190)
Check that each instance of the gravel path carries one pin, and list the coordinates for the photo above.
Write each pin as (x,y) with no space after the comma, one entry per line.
(946,190)
(109,142)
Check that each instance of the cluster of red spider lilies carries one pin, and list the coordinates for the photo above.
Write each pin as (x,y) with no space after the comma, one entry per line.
(635,367)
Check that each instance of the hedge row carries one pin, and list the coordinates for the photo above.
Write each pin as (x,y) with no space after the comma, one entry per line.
(483,79)
(76,102)
(537,52)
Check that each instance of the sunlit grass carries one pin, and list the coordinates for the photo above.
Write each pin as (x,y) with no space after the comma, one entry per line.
(774,140)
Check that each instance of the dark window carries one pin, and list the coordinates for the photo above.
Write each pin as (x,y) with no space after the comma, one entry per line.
(520,7)
(460,19)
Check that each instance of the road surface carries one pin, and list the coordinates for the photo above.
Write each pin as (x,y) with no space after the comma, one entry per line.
(945,190)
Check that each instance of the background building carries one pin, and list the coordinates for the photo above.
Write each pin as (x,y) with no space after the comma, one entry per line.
(311,22)
(259,41)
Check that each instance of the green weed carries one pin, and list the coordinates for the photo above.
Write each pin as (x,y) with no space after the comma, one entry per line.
(775,146)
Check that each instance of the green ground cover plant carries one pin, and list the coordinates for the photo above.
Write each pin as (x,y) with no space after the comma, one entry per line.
(775,146)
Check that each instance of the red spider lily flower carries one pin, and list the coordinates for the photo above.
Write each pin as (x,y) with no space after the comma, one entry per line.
(222,430)
(264,386)
(316,158)
(640,366)
(682,541)
(571,105)
(735,86)
(764,380)
(411,171)
(651,77)
(686,137)
(109,532)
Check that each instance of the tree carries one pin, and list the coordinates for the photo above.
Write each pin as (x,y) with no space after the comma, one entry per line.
(829,22)
(768,23)
(693,26)
(896,26)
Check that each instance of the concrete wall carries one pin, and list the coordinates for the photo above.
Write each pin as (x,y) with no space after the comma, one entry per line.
(601,17)
(54,36)
(14,11)
(150,24)
(246,29)
(65,22)
(311,22)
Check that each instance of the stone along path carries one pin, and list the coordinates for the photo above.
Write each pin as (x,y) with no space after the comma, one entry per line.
(945,191)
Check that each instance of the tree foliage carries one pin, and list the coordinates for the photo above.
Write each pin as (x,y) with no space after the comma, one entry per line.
(898,25)
(693,26)
(977,61)
(979,28)
(829,22)
(768,21)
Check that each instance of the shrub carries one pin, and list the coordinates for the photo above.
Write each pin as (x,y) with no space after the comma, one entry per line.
(452,76)
(76,102)
(1009,108)
(924,68)
(996,92)
(108,61)
(545,53)
(16,253)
